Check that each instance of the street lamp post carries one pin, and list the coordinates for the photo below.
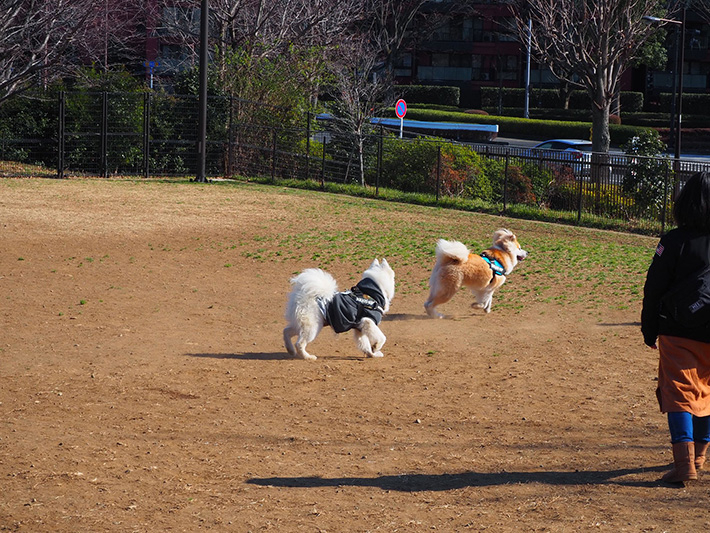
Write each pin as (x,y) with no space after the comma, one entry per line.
(677,103)
(680,87)
(202,102)
(527,70)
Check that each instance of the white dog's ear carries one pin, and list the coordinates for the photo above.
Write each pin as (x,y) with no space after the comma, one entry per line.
(385,263)
(374,263)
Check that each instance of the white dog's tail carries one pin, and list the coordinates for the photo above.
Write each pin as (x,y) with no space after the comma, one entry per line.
(309,287)
(451,250)
(315,283)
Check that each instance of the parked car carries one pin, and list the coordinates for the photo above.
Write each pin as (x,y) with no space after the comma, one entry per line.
(574,152)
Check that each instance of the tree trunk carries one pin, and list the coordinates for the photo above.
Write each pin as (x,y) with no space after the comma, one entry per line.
(361,157)
(600,124)
(600,144)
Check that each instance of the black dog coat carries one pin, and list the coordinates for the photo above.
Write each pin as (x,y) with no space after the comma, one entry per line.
(345,311)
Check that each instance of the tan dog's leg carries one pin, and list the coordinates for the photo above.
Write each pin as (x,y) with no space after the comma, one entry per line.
(438,296)
(484,297)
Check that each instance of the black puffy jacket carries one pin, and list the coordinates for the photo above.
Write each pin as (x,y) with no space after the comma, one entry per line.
(680,253)
(347,309)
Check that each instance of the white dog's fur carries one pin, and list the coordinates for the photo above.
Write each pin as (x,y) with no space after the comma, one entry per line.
(305,317)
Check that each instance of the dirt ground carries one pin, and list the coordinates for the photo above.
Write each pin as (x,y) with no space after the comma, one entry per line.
(144,385)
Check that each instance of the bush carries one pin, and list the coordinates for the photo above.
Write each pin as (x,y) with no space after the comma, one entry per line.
(461,173)
(645,177)
(412,166)
(407,165)
(562,190)
(430,94)
(519,188)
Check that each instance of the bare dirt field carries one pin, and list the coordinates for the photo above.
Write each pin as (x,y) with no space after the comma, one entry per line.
(144,385)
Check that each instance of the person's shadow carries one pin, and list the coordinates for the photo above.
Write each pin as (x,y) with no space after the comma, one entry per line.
(441,482)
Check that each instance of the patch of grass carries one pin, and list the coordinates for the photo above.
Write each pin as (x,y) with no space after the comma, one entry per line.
(643,227)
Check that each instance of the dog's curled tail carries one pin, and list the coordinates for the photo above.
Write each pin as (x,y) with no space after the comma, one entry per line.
(314,283)
(451,250)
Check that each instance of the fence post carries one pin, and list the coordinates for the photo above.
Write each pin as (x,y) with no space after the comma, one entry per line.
(61,132)
(230,139)
(505,180)
(579,199)
(273,156)
(308,144)
(104,134)
(379,163)
(665,200)
(438,171)
(322,166)
(146,134)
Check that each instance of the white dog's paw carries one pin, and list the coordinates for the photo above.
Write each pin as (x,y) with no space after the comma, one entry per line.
(378,354)
(306,357)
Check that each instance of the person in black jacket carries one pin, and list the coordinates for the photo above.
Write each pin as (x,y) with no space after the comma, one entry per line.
(684,352)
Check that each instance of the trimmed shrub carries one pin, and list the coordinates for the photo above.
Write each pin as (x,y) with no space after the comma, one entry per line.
(550,98)
(693,103)
(430,94)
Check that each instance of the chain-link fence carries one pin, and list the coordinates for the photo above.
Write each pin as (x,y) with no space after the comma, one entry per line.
(154,134)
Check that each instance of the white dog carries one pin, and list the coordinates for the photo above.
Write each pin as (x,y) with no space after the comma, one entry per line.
(315,302)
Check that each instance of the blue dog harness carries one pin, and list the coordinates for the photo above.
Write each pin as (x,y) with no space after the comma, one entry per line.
(496,266)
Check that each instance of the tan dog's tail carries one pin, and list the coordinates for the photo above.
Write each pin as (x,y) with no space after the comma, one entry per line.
(451,252)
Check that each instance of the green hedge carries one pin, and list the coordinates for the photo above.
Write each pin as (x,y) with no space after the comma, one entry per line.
(693,103)
(550,98)
(429,94)
(529,128)
(642,118)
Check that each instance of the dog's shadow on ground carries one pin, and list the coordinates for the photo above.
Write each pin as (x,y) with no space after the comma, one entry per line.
(407,316)
(442,482)
(258,356)
(424,316)
(266,356)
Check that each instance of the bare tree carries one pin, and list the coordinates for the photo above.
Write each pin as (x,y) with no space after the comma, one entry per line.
(252,33)
(589,42)
(390,23)
(701,7)
(34,37)
(113,34)
(360,88)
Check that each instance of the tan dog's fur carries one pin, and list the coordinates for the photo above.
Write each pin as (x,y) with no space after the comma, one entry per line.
(456,267)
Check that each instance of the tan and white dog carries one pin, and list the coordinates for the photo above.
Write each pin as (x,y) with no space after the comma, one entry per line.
(482,274)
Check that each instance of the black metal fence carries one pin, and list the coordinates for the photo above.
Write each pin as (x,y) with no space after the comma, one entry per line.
(151,134)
